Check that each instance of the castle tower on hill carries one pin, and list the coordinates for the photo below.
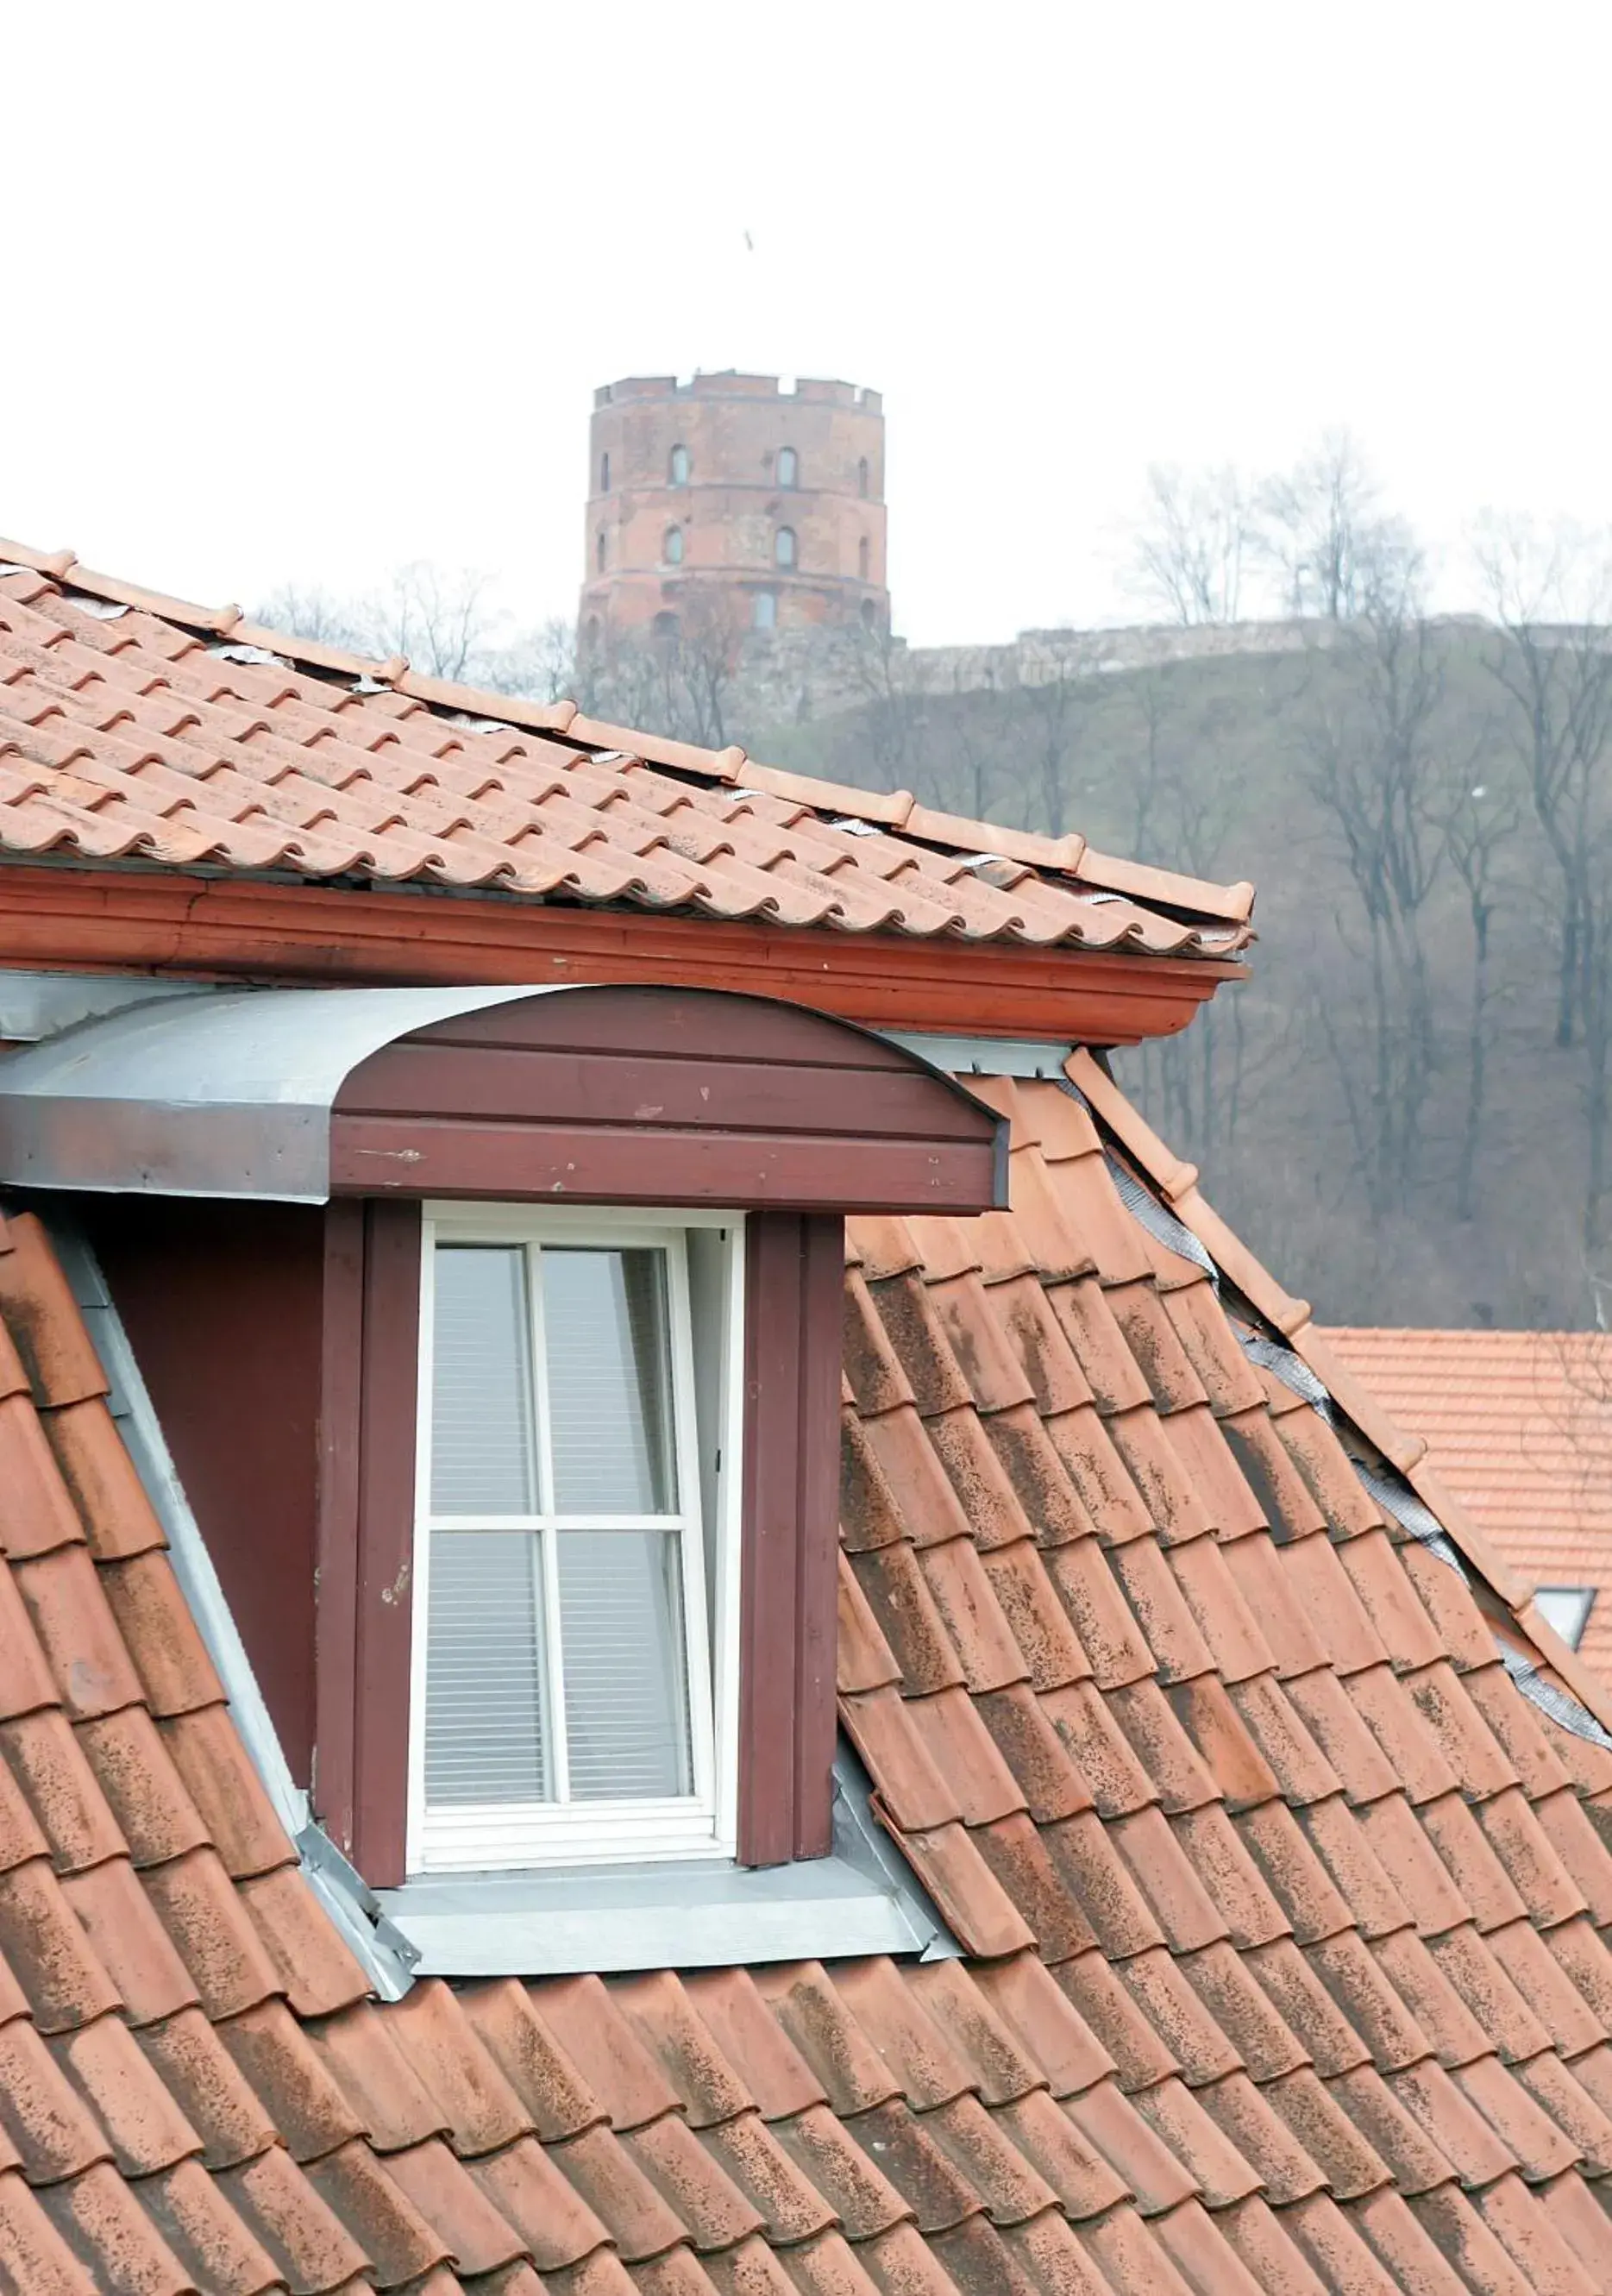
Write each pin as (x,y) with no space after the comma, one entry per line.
(731,503)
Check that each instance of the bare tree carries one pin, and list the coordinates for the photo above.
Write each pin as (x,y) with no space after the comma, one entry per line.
(1325,533)
(891,686)
(441,621)
(710,640)
(1190,544)
(543,666)
(1551,591)
(1478,820)
(1373,767)
(1180,818)
(438,618)
(980,717)
(305,611)
(1050,722)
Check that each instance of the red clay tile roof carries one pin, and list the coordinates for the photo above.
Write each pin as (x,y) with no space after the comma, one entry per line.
(1521,1423)
(1286,1914)
(185,737)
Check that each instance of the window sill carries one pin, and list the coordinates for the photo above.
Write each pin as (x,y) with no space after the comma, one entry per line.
(680,1914)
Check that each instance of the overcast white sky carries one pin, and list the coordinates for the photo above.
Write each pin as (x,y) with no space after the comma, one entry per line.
(307,290)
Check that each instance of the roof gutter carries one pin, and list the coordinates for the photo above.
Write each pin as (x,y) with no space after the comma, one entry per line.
(158,920)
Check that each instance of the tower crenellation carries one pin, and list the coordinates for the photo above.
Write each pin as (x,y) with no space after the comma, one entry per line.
(736,501)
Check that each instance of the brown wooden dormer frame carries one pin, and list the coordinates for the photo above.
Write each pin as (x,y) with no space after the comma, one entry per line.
(630,1094)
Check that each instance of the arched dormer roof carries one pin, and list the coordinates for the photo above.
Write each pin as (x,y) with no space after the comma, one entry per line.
(612,1094)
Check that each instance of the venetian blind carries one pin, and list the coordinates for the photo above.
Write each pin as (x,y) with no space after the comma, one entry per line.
(610,1420)
(484,1738)
(627,1708)
(482,1397)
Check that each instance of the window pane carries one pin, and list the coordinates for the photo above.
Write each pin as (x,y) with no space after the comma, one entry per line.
(484,1738)
(481,1415)
(605,1319)
(626,1706)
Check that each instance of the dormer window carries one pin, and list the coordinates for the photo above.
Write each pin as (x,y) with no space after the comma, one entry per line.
(574,1542)
(547,1582)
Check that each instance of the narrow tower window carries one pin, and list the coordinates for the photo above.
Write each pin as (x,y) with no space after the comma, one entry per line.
(783,545)
(604,474)
(680,466)
(789,467)
(862,477)
(599,551)
(862,558)
(671,549)
(763,610)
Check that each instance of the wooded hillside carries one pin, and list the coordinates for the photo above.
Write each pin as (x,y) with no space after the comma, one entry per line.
(1406,1107)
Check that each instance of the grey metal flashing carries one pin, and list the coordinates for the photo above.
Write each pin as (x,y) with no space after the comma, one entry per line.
(684,1914)
(385,1956)
(225,1094)
(35,1005)
(1002,1056)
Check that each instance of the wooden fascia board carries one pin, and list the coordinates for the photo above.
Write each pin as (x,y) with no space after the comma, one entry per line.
(223,927)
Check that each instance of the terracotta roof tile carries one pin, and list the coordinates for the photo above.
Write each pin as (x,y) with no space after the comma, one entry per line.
(1159,1983)
(313,2249)
(1318,1889)
(51,2128)
(105,2225)
(204,2232)
(219,2102)
(154,748)
(524,2049)
(1231,1875)
(121,1790)
(863,2199)
(1033,1756)
(696,2186)
(1140,2053)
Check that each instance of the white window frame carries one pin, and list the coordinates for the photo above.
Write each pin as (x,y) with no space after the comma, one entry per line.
(503,1836)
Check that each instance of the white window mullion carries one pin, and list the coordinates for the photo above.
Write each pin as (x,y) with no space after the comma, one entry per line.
(548,1579)
(685,1437)
(540,1378)
(553,1645)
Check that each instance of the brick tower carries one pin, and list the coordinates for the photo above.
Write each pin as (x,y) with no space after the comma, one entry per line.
(730,503)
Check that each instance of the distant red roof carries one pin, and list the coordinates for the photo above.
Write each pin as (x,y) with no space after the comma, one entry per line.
(1520,1423)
